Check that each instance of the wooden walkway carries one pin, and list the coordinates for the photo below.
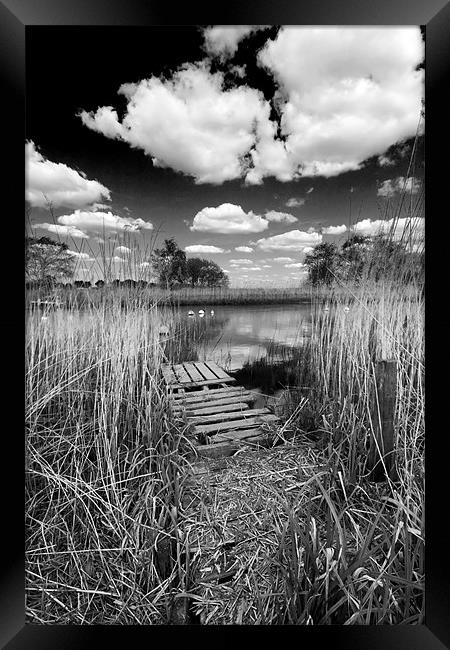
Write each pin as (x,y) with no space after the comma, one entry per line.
(219,412)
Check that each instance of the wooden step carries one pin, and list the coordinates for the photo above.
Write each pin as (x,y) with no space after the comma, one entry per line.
(212,402)
(181,374)
(205,371)
(216,369)
(214,393)
(218,410)
(236,435)
(234,424)
(206,382)
(217,451)
(226,416)
(192,371)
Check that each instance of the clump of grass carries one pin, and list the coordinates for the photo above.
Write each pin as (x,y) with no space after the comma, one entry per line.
(104,469)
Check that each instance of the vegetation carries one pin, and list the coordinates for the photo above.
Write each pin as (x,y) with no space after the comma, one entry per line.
(302,532)
(47,261)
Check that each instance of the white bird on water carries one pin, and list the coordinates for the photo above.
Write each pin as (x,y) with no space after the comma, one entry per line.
(191,313)
(212,312)
(201,312)
(346,309)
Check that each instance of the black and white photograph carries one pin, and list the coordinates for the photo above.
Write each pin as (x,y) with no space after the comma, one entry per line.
(224,325)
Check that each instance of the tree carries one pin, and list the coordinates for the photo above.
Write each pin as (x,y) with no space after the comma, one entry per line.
(354,256)
(47,261)
(205,273)
(169,264)
(323,263)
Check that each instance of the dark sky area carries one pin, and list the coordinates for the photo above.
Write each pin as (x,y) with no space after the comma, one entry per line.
(335,102)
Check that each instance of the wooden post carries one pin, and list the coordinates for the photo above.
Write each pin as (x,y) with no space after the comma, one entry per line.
(383,412)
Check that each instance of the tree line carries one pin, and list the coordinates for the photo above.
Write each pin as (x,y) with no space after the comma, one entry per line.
(48,262)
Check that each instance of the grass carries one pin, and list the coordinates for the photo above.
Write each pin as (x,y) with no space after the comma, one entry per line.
(119,532)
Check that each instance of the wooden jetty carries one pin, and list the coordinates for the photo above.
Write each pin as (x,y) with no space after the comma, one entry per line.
(219,412)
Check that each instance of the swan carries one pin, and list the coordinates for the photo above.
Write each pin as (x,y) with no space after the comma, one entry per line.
(191,313)
(201,312)
(212,312)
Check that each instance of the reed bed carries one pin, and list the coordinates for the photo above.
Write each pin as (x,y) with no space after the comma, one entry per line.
(104,469)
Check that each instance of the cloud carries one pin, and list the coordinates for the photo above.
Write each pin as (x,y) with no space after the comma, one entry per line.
(241,261)
(223,40)
(122,250)
(144,265)
(308,249)
(81,256)
(266,266)
(294,203)
(117,259)
(280,217)
(228,218)
(370,228)
(283,259)
(398,185)
(62,185)
(334,230)
(345,93)
(64,231)
(200,248)
(244,249)
(95,222)
(295,265)
(294,240)
(189,122)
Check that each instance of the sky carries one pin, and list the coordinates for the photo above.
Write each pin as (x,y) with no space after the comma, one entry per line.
(247,144)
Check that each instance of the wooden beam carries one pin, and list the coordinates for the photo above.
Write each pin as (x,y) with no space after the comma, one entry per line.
(181,374)
(217,451)
(205,371)
(214,393)
(383,412)
(193,372)
(168,374)
(236,435)
(228,416)
(220,372)
(206,382)
(217,427)
(219,401)
(220,410)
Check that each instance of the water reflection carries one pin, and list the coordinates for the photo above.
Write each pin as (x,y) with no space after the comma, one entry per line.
(234,335)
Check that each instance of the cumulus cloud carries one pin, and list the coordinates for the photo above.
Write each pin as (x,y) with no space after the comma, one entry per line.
(118,260)
(280,217)
(64,231)
(294,240)
(373,227)
(144,265)
(244,249)
(190,123)
(294,202)
(280,260)
(391,187)
(228,218)
(81,256)
(345,93)
(200,248)
(223,40)
(62,185)
(123,250)
(240,262)
(97,222)
(294,265)
(334,230)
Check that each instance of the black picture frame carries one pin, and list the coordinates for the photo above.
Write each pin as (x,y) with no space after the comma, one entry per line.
(19,16)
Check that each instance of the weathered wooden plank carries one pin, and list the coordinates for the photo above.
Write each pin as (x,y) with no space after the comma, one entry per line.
(168,374)
(211,394)
(206,382)
(181,374)
(205,371)
(219,401)
(227,416)
(234,424)
(219,450)
(220,410)
(193,373)
(236,435)
(220,372)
